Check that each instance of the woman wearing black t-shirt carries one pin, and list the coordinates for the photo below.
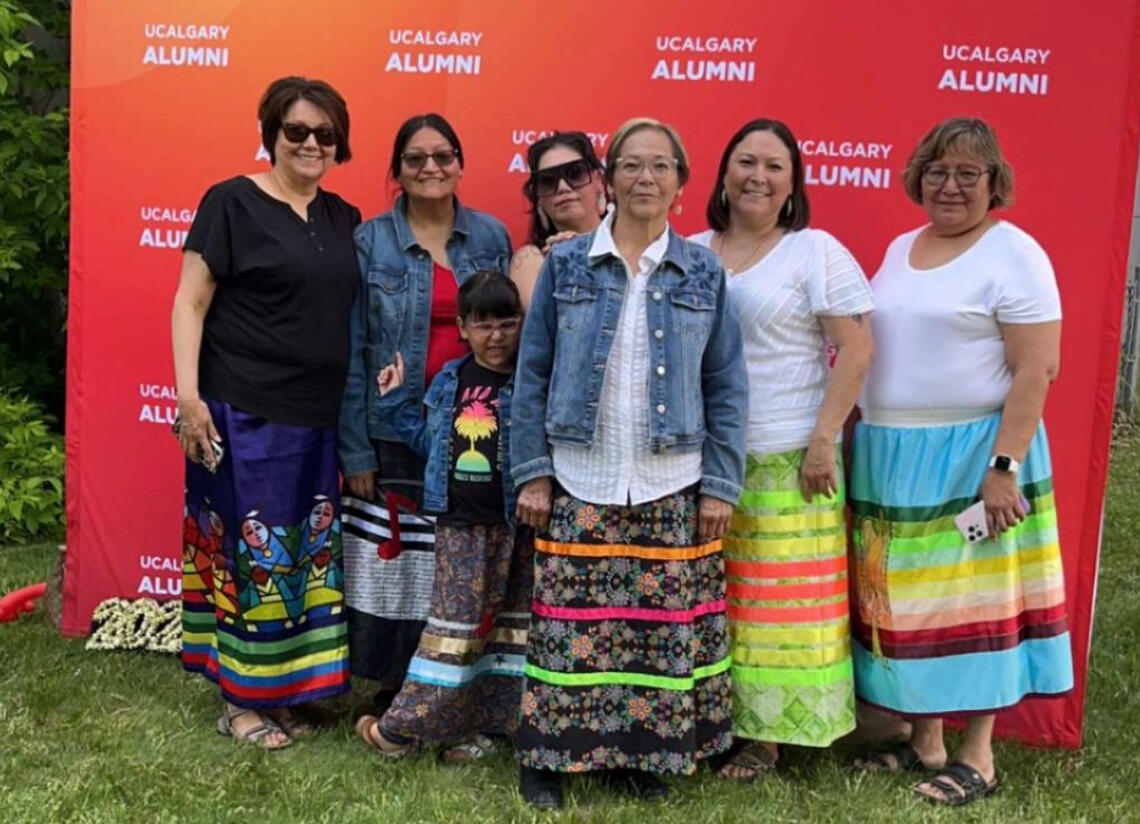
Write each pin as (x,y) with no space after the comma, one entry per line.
(260,331)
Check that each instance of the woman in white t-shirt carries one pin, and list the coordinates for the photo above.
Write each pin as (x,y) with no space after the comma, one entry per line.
(967,328)
(794,289)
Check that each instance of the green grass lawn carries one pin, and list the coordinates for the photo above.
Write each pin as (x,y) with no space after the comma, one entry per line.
(118,737)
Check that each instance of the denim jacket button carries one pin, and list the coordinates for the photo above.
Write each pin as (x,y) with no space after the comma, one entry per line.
(659,333)
(657,296)
(660,409)
(660,370)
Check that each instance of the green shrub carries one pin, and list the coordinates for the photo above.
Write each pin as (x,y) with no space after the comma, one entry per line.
(31,474)
(33,198)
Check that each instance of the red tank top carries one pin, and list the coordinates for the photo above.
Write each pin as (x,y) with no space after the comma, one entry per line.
(444,343)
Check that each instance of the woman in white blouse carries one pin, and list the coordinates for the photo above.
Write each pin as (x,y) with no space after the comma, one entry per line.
(794,290)
(627,445)
(958,619)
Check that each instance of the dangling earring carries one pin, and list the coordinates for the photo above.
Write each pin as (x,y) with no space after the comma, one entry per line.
(724,198)
(543,220)
(677,208)
(602,203)
(788,207)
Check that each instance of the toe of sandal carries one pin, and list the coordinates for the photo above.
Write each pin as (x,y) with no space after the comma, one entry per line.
(958,784)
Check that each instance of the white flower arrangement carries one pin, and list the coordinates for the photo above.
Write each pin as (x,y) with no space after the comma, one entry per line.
(144,624)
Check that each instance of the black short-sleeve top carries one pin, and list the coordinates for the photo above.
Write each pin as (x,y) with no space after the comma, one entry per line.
(275,340)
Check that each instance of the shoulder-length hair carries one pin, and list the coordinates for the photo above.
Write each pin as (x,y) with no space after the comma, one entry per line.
(413,124)
(717,213)
(283,93)
(971,136)
(576,141)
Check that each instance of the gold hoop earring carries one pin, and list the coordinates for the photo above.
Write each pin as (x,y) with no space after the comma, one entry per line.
(723,198)
(789,207)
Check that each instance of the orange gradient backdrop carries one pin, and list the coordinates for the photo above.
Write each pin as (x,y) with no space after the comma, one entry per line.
(150,133)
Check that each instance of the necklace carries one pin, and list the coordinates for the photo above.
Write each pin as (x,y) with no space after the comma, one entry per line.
(754,255)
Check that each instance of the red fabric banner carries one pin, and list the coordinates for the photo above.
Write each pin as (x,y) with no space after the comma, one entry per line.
(164,98)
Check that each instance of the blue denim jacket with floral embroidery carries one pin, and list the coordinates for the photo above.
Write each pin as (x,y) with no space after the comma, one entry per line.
(698,384)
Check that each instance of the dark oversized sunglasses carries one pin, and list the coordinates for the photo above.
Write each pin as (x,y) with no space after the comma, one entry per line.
(576,173)
(299,133)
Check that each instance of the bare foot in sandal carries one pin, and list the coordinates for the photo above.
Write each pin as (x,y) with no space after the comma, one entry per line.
(478,747)
(249,726)
(750,761)
(288,721)
(368,728)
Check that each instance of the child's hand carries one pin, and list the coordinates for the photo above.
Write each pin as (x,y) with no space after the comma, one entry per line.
(391,376)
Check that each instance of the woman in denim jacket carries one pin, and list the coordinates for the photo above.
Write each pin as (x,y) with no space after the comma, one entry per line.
(627,446)
(412,259)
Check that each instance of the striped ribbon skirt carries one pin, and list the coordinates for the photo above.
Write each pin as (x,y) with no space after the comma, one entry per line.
(942,626)
(786,562)
(627,656)
(466,674)
(389,562)
(262,583)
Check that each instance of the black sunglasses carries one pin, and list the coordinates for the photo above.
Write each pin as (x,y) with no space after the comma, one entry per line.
(299,133)
(576,173)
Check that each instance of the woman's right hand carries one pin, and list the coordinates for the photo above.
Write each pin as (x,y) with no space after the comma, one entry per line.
(534,504)
(391,376)
(362,485)
(555,239)
(196,430)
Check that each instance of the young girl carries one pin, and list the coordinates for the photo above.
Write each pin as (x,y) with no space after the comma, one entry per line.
(466,676)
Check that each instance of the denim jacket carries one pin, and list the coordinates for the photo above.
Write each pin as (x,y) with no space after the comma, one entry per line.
(392,312)
(698,384)
(430,437)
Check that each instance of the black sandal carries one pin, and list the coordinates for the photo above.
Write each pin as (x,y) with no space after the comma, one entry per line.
(967,785)
(906,759)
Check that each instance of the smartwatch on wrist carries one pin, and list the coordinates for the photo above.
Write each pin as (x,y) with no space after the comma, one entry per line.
(1004,463)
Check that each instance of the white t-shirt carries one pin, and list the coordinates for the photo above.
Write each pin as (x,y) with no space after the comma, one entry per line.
(778,301)
(937,341)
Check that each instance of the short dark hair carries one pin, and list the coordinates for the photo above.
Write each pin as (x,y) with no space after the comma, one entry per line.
(717,214)
(971,135)
(413,124)
(284,92)
(489,294)
(638,124)
(578,142)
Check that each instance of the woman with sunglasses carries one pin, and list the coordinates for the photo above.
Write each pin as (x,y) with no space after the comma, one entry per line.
(567,195)
(627,446)
(413,259)
(261,348)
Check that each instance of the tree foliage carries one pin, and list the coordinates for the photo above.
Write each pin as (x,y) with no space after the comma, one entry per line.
(33,197)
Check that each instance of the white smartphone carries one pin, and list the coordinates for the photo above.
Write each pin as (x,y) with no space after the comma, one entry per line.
(971,522)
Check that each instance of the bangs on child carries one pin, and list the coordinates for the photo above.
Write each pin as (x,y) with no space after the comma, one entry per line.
(489,294)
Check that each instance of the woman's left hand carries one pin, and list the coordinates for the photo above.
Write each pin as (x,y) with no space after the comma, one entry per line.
(817,472)
(713,518)
(1003,501)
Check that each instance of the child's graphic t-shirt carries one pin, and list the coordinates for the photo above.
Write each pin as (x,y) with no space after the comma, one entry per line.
(475,477)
